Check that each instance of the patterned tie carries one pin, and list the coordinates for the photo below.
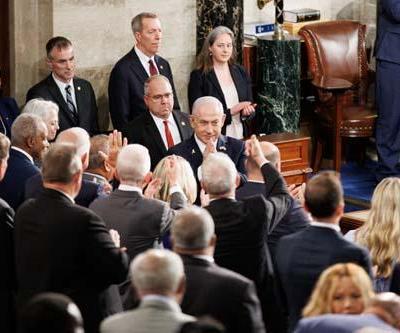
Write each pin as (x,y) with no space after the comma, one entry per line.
(70,104)
(153,68)
(170,140)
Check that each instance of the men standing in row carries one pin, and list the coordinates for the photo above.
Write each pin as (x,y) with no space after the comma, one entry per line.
(126,86)
(161,127)
(74,96)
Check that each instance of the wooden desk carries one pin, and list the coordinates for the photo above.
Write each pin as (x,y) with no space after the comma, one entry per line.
(353,220)
(295,155)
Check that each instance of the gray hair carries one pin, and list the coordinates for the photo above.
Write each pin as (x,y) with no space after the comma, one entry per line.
(76,136)
(389,303)
(4,146)
(40,107)
(61,163)
(133,163)
(157,271)
(24,127)
(192,228)
(137,21)
(218,173)
(207,100)
(98,143)
(153,78)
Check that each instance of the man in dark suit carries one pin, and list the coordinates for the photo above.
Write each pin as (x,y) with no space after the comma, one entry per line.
(301,257)
(160,127)
(62,247)
(29,141)
(382,314)
(74,96)
(212,290)
(126,86)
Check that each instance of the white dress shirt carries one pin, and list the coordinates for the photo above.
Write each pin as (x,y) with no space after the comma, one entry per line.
(173,128)
(325,225)
(62,85)
(235,129)
(144,59)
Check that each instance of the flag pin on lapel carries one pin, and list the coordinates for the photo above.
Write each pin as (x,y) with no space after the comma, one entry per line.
(161,67)
(79,88)
(222,148)
(183,123)
(193,152)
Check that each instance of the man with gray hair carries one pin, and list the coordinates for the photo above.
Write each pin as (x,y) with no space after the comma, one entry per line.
(159,279)
(63,247)
(126,85)
(28,143)
(234,303)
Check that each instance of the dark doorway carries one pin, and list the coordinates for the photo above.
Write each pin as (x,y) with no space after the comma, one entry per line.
(5,46)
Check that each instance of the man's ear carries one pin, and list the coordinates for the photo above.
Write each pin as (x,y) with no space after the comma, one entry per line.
(49,63)
(147,178)
(30,141)
(192,120)
(213,241)
(203,186)
(107,166)
(146,100)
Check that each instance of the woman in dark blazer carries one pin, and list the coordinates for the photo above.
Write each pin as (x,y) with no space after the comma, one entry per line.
(217,75)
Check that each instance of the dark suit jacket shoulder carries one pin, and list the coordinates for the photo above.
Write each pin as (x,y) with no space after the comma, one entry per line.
(8,111)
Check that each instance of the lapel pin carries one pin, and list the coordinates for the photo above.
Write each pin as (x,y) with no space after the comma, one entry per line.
(161,67)
(79,88)
(222,148)
(193,152)
(183,123)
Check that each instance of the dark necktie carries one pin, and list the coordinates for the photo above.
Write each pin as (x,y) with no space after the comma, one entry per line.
(70,104)
(170,140)
(153,68)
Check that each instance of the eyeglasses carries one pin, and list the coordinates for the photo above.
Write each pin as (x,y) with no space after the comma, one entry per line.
(158,98)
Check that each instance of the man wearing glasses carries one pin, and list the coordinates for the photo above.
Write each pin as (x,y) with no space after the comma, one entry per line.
(159,128)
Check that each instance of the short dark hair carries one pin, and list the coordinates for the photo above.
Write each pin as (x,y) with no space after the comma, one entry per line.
(58,42)
(4,146)
(137,21)
(98,143)
(323,194)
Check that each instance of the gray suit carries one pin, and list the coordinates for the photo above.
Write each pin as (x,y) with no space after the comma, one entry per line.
(152,316)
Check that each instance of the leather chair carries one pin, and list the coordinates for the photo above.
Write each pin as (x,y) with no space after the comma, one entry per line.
(337,62)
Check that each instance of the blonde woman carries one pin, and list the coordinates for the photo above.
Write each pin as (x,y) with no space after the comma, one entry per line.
(341,288)
(381,235)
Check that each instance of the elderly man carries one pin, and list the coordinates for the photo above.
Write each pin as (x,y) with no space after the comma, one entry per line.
(302,256)
(382,314)
(74,96)
(159,128)
(126,86)
(234,302)
(159,279)
(28,143)
(62,247)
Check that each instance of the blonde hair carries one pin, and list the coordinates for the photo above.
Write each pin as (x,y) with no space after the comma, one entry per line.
(381,233)
(321,298)
(186,179)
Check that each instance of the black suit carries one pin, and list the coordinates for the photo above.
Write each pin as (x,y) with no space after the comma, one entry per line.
(85,103)
(144,131)
(206,84)
(222,294)
(62,247)
(126,88)
(303,256)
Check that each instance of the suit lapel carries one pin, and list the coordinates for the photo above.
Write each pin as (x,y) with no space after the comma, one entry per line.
(161,69)
(222,144)
(195,155)
(183,125)
(237,80)
(137,67)
(155,135)
(214,81)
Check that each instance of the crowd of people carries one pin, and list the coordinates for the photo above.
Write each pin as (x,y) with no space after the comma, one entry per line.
(171,222)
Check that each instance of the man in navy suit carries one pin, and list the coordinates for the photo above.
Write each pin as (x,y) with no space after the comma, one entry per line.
(382,314)
(160,127)
(126,86)
(207,120)
(28,142)
(74,96)
(301,257)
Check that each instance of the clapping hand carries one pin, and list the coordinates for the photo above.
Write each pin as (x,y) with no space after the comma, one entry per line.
(254,151)
(116,143)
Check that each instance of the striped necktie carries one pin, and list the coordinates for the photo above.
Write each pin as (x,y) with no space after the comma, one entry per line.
(153,68)
(70,104)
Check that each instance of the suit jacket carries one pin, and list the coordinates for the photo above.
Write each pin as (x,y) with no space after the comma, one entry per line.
(388,40)
(206,84)
(8,112)
(222,294)
(62,247)
(152,316)
(85,102)
(294,220)
(20,169)
(126,88)
(301,258)
(342,323)
(144,131)
(89,190)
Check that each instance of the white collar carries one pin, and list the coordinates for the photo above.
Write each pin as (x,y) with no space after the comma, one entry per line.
(23,152)
(143,57)
(62,85)
(163,299)
(201,145)
(130,188)
(159,120)
(204,257)
(325,225)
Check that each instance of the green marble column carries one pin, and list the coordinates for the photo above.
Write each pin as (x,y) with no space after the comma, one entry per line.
(278,84)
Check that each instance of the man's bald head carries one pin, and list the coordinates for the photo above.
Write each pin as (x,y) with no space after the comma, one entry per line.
(271,153)
(80,139)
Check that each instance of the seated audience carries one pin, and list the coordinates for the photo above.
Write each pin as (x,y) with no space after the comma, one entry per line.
(217,75)
(48,112)
(234,301)
(62,247)
(28,143)
(50,313)
(381,235)
(160,127)
(303,256)
(159,279)
(341,288)
(8,110)
(381,313)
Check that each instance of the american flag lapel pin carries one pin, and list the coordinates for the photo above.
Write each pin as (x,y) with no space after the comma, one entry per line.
(79,88)
(222,148)
(193,152)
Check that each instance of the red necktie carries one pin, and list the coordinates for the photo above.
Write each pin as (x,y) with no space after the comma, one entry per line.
(170,140)
(153,68)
